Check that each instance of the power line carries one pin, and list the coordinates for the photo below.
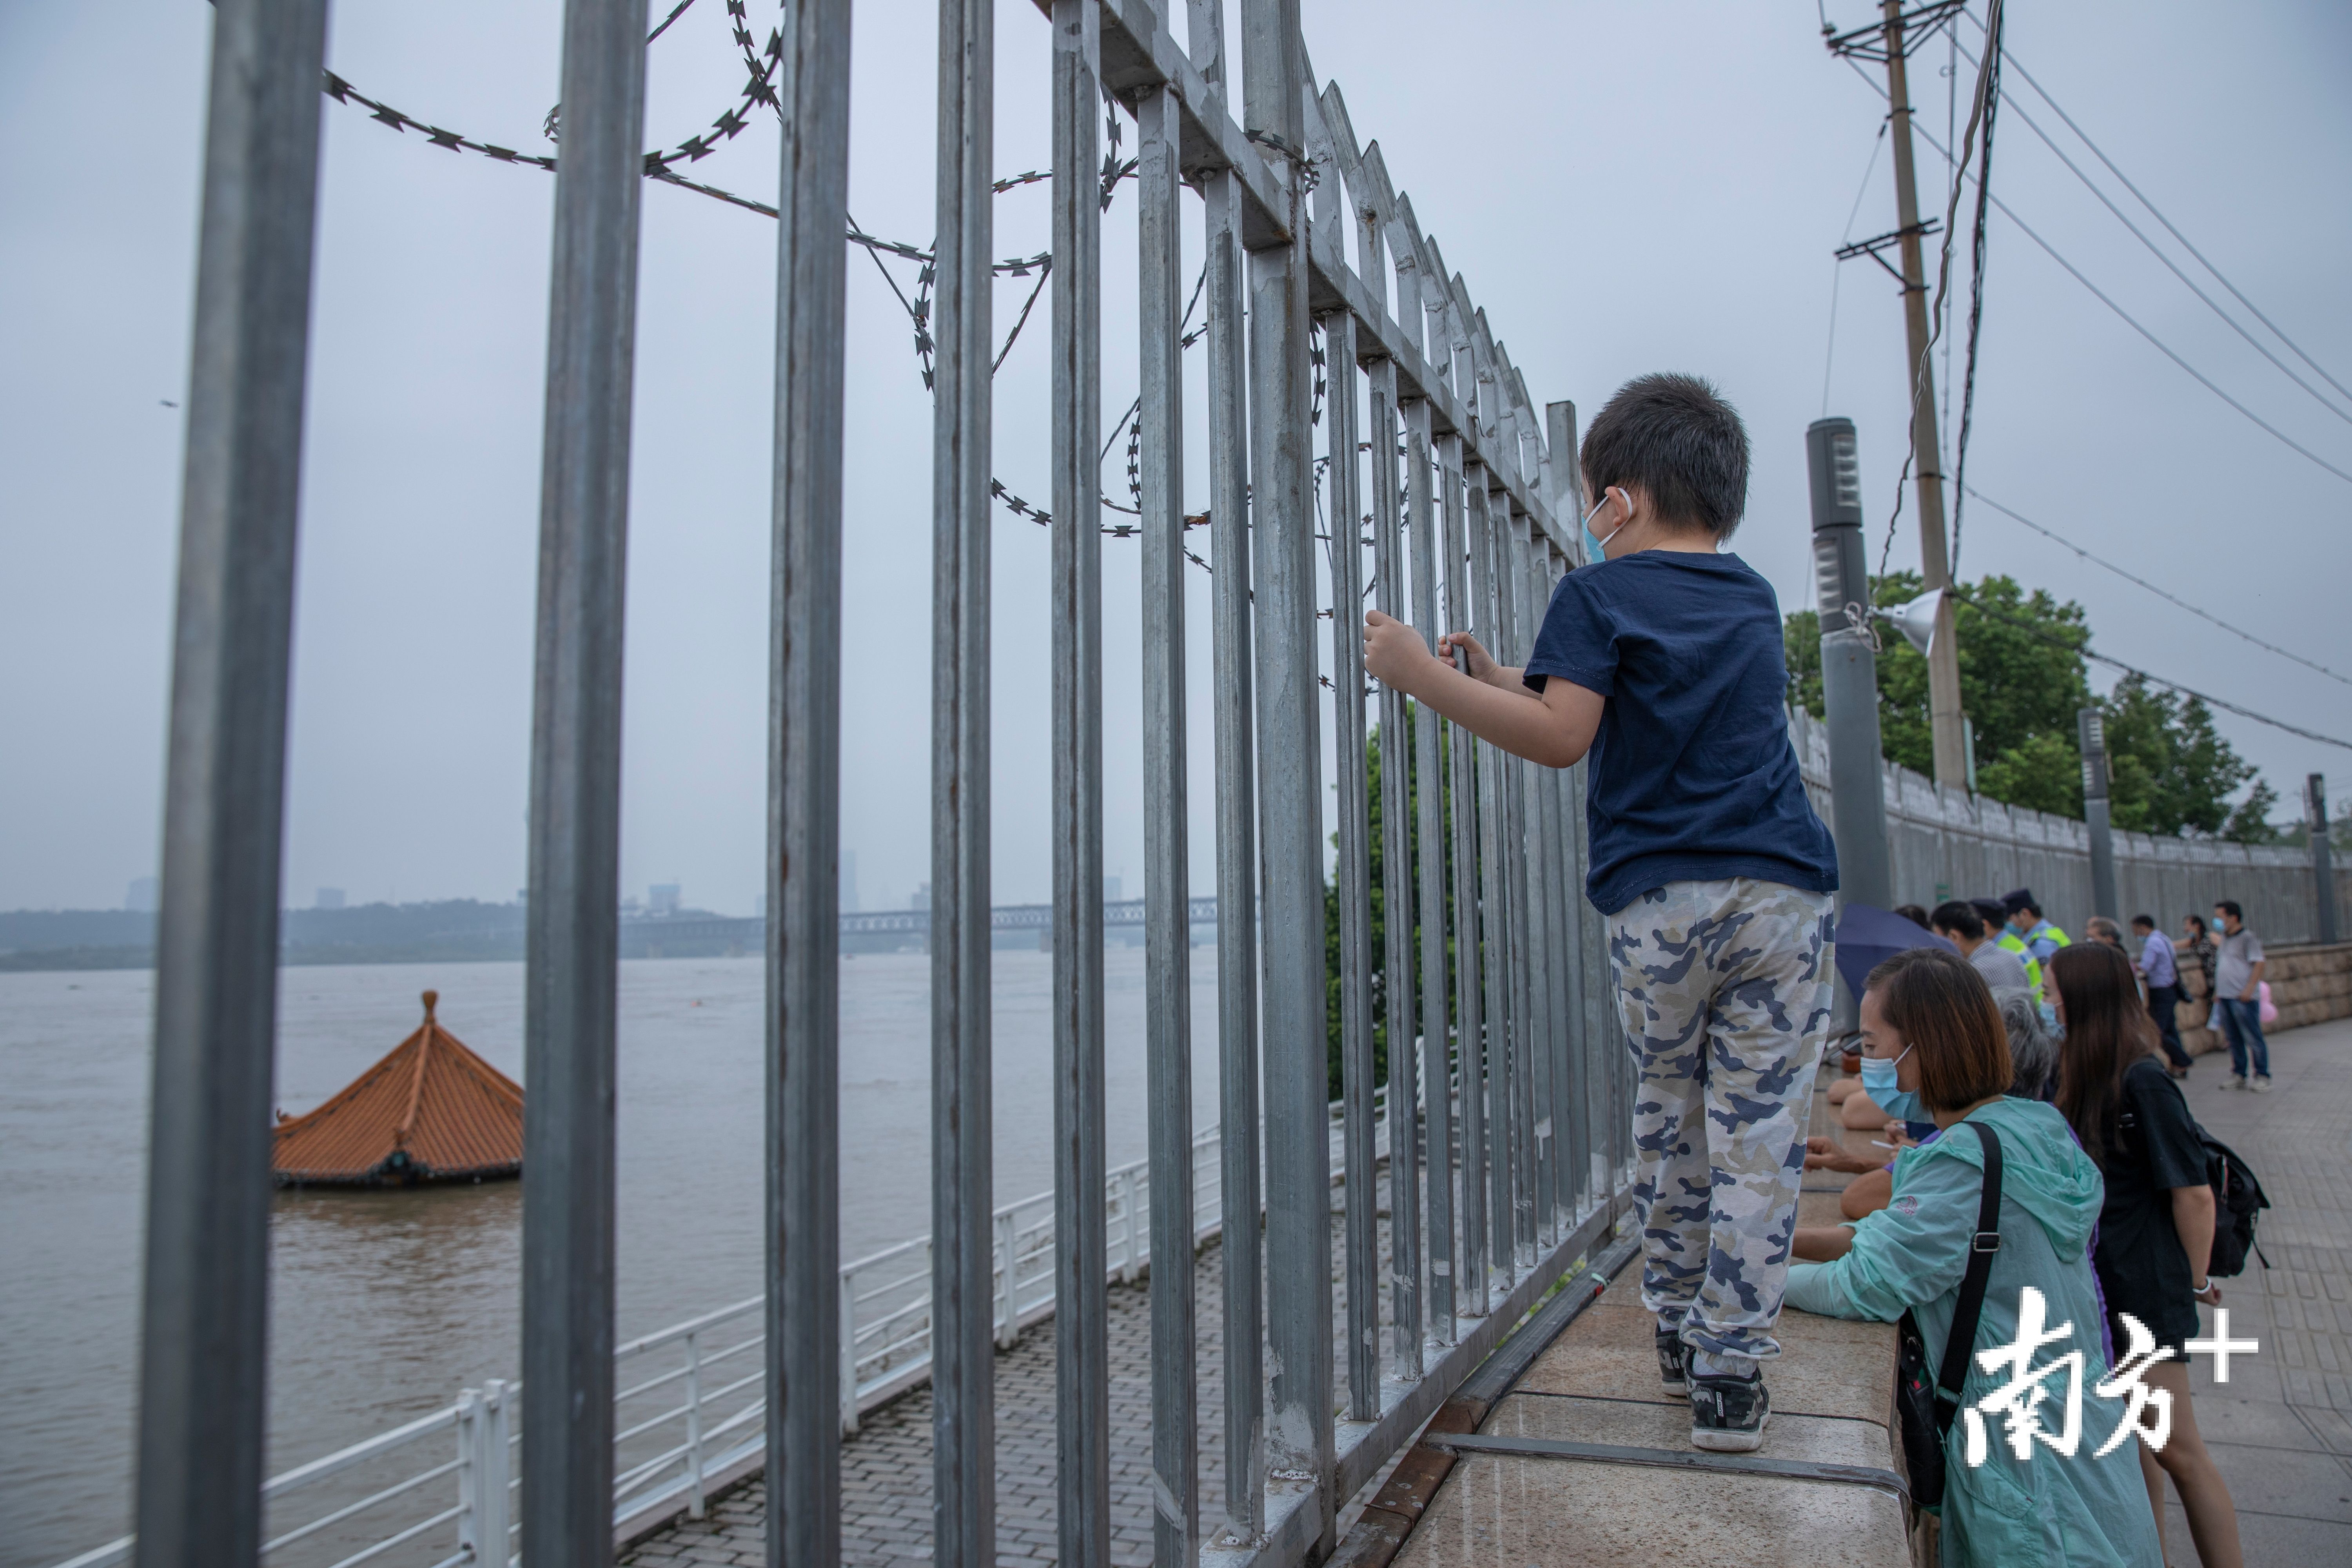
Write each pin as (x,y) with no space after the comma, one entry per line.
(2083,649)
(1990,99)
(2162,594)
(2169,226)
(2210,303)
(2074,272)
(2129,320)
(1837,270)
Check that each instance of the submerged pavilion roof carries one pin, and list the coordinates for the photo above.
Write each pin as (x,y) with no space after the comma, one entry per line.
(430,1110)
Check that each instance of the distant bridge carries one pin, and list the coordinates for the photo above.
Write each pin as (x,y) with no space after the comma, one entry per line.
(886,923)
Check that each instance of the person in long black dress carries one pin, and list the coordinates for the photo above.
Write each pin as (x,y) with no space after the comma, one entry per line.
(2156,1227)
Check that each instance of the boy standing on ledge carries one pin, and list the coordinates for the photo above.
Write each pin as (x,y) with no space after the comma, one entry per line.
(1664,661)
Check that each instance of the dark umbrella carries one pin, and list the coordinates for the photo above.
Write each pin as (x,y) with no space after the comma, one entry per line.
(1868,936)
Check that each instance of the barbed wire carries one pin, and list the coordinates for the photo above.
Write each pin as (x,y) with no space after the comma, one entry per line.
(761,64)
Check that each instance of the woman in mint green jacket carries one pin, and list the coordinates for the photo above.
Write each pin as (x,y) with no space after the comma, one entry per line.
(1927,1015)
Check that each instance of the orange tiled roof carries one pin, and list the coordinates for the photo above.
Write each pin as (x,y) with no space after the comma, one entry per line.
(431,1111)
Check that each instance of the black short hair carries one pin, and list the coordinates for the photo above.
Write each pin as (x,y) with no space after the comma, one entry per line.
(2148,921)
(1676,438)
(1914,914)
(1992,910)
(2229,908)
(1958,915)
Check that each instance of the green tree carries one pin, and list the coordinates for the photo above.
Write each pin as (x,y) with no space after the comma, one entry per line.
(2170,773)
(1373,760)
(2022,680)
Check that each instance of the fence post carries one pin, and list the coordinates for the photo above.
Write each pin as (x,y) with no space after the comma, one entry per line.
(693,1498)
(576,790)
(206,1289)
(2323,854)
(802,941)
(492,1502)
(1298,1427)
(846,1377)
(963,1363)
(1081,1308)
(469,1410)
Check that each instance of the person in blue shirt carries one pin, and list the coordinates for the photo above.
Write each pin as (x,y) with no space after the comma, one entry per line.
(1662,659)
(1929,1023)
(2161,971)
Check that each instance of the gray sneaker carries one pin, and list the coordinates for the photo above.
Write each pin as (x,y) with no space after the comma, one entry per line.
(1673,1362)
(2235,1080)
(1728,1414)
(2262,1083)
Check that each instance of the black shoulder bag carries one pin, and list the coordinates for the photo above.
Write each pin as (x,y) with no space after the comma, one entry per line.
(1924,1410)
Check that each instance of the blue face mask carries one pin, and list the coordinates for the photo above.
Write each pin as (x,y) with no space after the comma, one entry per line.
(1594,549)
(1878,1076)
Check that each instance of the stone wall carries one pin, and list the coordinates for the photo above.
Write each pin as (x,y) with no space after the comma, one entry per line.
(2309,985)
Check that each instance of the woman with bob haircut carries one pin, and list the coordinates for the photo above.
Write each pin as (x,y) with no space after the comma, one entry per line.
(2156,1227)
(1930,1013)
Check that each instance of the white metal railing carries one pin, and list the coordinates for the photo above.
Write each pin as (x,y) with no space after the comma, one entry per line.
(689,1415)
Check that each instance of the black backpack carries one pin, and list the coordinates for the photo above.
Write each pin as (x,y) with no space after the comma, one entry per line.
(2238,1203)
(2238,1198)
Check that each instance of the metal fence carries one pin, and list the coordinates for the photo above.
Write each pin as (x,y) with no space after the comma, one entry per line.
(1508,1124)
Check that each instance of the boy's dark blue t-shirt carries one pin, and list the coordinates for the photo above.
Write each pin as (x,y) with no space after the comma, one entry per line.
(1691,775)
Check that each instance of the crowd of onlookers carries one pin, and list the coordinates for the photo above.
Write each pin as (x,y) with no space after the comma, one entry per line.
(2068,1055)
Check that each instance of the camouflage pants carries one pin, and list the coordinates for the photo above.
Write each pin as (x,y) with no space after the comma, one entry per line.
(1724,991)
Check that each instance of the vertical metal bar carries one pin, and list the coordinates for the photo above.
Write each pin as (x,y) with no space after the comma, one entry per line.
(1355,878)
(491,1498)
(804,1327)
(1081,1235)
(204,1302)
(963,1375)
(1396,894)
(845,1353)
(694,1493)
(1168,910)
(1237,810)
(1575,1162)
(576,818)
(1224,268)
(1299,1195)
(1528,993)
(1429,799)
(1550,1002)
(1481,944)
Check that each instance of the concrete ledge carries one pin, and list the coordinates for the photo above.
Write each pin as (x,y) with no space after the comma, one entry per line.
(1597,1384)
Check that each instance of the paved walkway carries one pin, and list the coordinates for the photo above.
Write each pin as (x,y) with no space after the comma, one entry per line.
(2282,1426)
(886,1468)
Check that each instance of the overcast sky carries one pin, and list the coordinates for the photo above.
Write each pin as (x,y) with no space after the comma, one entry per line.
(1625,187)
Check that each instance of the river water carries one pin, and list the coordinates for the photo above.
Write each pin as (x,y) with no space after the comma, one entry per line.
(383,1304)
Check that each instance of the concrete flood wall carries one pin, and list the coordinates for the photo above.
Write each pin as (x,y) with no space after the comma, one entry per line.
(1947,844)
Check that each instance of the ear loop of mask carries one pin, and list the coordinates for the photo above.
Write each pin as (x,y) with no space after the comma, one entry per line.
(1600,545)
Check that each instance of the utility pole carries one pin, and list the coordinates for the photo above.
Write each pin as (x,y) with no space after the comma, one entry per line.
(1886,40)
